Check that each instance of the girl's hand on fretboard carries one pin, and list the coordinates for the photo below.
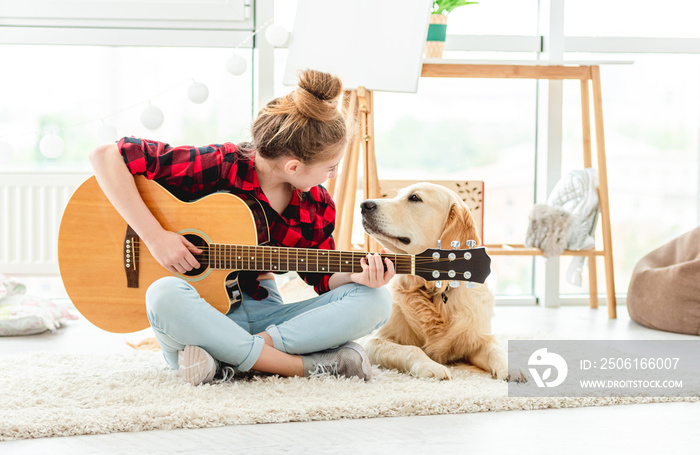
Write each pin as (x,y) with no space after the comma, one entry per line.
(373,274)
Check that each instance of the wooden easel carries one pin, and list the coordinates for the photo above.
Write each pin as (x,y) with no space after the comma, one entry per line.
(358,110)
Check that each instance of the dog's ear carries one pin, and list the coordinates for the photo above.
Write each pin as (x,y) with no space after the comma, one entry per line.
(459,226)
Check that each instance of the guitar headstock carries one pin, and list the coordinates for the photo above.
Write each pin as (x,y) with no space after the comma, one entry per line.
(471,265)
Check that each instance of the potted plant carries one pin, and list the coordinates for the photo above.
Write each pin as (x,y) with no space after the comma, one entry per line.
(437,30)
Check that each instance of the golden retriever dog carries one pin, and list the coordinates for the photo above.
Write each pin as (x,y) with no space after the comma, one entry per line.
(430,326)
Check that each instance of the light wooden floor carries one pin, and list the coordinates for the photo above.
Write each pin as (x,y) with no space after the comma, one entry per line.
(636,429)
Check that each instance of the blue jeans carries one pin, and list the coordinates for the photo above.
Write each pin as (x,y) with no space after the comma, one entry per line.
(180,317)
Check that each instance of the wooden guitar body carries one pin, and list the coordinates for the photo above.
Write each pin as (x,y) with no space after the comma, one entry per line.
(92,250)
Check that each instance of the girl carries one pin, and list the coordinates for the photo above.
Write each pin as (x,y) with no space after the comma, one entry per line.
(298,142)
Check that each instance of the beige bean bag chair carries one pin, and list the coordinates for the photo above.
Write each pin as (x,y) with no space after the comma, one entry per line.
(664,292)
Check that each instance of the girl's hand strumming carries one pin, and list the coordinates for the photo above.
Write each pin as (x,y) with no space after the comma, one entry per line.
(373,274)
(173,251)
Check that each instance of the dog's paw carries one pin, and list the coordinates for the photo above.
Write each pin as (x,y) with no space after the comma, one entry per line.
(498,364)
(500,373)
(504,374)
(431,370)
(516,375)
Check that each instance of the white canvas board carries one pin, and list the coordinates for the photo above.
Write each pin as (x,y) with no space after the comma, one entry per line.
(376,44)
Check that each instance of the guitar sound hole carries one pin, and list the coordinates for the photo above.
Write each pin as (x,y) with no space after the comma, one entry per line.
(202,258)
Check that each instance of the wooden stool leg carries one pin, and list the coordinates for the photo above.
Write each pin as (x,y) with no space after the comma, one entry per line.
(588,163)
(586,124)
(603,191)
(592,281)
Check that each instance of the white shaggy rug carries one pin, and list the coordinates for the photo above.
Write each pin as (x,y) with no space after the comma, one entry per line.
(53,394)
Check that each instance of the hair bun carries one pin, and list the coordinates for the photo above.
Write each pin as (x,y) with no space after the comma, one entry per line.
(317,95)
(324,86)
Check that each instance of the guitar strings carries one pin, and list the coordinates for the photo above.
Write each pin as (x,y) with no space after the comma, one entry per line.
(332,258)
(226,255)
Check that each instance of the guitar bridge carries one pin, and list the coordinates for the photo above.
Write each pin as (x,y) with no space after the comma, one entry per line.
(131,257)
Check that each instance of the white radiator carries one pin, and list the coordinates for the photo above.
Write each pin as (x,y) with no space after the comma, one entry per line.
(31,205)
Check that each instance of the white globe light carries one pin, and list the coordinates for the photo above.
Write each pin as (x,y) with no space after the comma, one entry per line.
(6,152)
(152,117)
(106,133)
(51,146)
(198,92)
(276,35)
(236,65)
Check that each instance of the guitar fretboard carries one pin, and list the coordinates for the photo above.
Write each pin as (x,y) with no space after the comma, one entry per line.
(278,259)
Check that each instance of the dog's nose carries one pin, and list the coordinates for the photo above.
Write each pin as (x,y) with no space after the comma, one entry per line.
(367,206)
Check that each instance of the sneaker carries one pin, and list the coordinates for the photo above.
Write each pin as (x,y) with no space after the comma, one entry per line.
(196,365)
(348,360)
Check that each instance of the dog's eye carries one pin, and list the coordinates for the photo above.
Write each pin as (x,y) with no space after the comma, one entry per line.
(414,198)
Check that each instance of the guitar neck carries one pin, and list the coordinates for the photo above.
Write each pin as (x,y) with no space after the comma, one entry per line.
(283,259)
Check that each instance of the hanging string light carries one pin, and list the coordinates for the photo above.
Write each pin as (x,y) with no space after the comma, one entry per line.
(198,92)
(152,117)
(276,35)
(51,145)
(236,65)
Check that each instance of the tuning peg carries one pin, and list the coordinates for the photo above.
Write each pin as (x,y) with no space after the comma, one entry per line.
(454,284)
(469,285)
(438,284)
(471,243)
(439,245)
(454,244)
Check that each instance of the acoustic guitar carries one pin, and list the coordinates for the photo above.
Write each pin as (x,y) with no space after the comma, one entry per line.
(106,269)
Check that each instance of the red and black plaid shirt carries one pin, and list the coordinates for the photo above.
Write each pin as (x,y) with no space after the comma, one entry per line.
(193,172)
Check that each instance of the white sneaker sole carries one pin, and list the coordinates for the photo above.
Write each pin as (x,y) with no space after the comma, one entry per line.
(196,365)
(366,364)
